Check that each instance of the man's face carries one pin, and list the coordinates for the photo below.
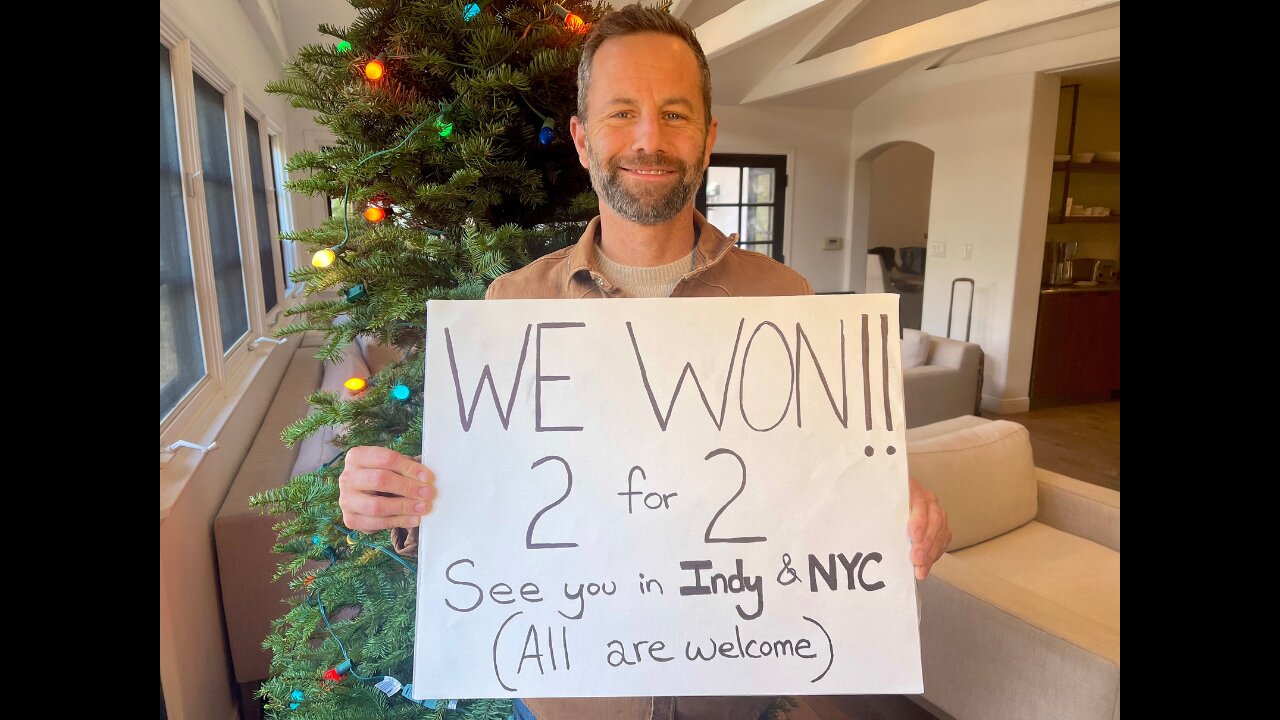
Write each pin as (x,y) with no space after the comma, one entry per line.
(645,140)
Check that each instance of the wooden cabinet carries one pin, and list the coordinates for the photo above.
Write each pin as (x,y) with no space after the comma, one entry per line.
(1077,350)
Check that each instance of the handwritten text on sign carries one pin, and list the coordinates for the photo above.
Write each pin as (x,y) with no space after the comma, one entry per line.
(665,497)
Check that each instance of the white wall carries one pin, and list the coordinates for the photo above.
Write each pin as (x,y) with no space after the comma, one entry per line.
(981,135)
(300,18)
(194,658)
(816,142)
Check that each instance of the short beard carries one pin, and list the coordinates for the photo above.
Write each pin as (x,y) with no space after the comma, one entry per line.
(652,208)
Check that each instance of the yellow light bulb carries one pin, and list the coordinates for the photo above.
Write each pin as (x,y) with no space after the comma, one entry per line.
(355,384)
(323,258)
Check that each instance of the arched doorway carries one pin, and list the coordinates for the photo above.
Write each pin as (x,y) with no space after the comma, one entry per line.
(891,216)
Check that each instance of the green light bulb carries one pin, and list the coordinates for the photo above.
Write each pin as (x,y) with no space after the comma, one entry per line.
(344,47)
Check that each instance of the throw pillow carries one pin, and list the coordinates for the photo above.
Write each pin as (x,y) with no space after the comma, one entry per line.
(377,356)
(984,477)
(915,348)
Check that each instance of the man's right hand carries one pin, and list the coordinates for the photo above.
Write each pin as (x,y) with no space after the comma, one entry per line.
(381,489)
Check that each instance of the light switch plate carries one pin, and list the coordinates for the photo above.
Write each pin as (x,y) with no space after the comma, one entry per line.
(833,243)
(937,248)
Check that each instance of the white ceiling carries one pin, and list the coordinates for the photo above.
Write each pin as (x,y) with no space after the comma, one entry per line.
(834,53)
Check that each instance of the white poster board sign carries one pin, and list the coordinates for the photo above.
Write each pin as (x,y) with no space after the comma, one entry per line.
(665,497)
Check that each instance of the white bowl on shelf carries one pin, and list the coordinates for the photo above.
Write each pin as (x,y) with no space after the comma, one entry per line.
(1083,157)
(1110,156)
(1061,158)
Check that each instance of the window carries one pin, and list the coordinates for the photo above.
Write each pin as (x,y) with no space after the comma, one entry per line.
(262,225)
(181,353)
(284,221)
(220,201)
(219,270)
(745,194)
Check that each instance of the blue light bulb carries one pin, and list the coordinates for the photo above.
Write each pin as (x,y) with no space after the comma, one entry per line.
(548,132)
(470,11)
(400,392)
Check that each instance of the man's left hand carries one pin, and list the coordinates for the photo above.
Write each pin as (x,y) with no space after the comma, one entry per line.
(927,528)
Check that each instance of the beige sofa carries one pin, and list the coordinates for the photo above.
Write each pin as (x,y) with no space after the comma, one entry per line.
(1021,617)
(243,536)
(941,377)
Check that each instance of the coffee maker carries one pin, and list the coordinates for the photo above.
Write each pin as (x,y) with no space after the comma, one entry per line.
(1058,257)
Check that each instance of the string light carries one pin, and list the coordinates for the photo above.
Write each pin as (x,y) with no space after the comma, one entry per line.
(571,21)
(374,214)
(344,47)
(387,684)
(401,392)
(548,131)
(355,384)
(336,674)
(375,68)
(355,293)
(324,258)
(470,11)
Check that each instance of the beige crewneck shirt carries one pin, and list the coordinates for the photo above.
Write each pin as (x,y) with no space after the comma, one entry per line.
(644,282)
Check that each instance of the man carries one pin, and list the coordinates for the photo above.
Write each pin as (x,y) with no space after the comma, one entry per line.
(644,131)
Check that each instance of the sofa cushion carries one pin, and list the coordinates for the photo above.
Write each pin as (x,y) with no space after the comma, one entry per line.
(1078,574)
(915,348)
(312,339)
(942,427)
(984,478)
(242,534)
(376,355)
(318,448)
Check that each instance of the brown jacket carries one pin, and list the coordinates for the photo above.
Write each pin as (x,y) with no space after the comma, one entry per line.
(721,270)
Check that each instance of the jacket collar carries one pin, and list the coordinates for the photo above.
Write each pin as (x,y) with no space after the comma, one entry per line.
(711,245)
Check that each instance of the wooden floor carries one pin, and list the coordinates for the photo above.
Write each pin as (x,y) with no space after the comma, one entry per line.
(1081,441)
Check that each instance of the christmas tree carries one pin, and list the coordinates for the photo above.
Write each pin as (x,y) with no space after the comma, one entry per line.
(455,165)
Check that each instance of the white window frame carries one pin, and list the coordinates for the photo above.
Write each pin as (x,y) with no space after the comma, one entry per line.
(200,415)
(281,202)
(272,316)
